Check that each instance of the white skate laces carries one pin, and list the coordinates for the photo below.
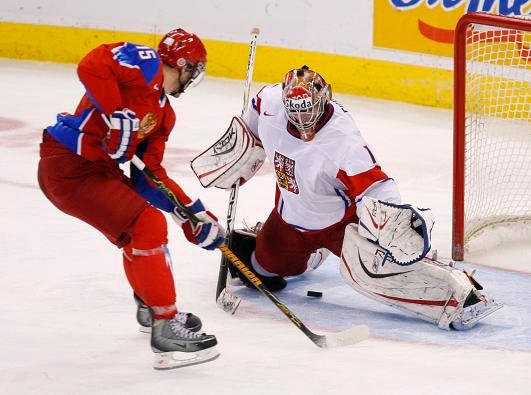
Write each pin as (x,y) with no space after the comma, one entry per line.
(177,326)
(181,318)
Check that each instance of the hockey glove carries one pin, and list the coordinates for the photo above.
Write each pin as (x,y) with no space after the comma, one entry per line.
(207,233)
(402,230)
(122,138)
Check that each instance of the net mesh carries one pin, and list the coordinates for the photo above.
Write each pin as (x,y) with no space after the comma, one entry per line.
(498,127)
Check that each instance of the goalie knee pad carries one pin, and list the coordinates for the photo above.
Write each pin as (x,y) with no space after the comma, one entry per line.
(316,259)
(429,289)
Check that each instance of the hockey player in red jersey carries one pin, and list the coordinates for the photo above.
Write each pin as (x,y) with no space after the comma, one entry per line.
(332,196)
(125,111)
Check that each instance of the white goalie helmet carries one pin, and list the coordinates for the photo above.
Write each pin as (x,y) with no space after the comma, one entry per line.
(305,96)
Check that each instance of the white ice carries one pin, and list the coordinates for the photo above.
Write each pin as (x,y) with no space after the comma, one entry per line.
(67,314)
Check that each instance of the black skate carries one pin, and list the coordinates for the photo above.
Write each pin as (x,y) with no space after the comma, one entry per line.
(176,346)
(144,317)
(243,243)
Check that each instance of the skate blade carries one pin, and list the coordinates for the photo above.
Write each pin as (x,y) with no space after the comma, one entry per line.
(144,329)
(178,359)
(463,326)
(491,309)
(228,302)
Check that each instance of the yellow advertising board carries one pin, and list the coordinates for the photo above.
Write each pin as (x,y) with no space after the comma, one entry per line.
(427,26)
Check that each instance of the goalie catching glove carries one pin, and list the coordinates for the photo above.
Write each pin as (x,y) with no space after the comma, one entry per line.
(402,230)
(236,156)
(207,233)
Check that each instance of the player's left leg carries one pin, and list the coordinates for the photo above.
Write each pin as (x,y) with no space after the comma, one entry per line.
(149,270)
(148,267)
(147,263)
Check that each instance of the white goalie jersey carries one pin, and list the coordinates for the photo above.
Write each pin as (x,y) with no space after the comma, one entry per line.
(318,182)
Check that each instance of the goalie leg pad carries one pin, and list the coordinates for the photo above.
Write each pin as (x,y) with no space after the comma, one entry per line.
(430,290)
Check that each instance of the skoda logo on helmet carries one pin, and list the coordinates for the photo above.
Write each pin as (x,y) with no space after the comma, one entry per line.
(299,104)
(298,98)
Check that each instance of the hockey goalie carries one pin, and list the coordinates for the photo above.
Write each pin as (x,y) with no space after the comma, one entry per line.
(332,196)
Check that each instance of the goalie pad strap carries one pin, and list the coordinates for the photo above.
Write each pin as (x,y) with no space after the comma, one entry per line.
(236,156)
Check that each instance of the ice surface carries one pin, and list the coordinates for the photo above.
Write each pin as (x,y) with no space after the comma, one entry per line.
(67,317)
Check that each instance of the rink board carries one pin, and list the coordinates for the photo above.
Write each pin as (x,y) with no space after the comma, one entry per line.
(341,307)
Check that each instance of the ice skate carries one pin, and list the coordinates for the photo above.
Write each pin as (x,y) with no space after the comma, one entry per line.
(476,308)
(144,317)
(176,346)
(243,244)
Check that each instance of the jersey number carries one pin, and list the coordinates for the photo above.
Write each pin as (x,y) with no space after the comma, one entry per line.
(147,53)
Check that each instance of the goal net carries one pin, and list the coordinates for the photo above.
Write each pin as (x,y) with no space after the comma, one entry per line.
(492,125)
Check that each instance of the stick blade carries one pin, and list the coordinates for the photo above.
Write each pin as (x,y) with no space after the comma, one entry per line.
(344,338)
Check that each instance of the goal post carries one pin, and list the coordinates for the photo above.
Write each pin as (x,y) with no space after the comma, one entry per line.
(492,125)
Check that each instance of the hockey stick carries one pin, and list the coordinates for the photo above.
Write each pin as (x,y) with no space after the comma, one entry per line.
(344,338)
(227,301)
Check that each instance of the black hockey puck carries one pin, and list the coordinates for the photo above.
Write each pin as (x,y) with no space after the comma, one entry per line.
(314,294)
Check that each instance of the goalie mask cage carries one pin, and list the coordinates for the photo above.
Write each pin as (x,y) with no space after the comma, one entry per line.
(492,128)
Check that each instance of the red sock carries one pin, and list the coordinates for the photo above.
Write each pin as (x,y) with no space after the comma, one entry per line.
(147,263)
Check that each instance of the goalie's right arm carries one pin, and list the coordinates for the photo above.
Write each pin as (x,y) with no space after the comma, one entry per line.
(237,155)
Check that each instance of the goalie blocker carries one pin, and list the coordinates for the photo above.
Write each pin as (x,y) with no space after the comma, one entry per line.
(429,289)
(237,155)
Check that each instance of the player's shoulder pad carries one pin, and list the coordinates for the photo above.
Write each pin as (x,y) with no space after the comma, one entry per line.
(140,57)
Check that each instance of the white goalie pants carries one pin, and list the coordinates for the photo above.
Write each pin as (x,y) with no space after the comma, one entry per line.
(430,290)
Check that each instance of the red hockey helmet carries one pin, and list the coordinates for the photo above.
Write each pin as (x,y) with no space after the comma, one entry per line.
(305,96)
(180,49)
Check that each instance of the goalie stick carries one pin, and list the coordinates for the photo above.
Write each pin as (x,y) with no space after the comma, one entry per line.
(224,298)
(343,338)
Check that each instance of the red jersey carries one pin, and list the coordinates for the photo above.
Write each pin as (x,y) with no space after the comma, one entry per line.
(125,75)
